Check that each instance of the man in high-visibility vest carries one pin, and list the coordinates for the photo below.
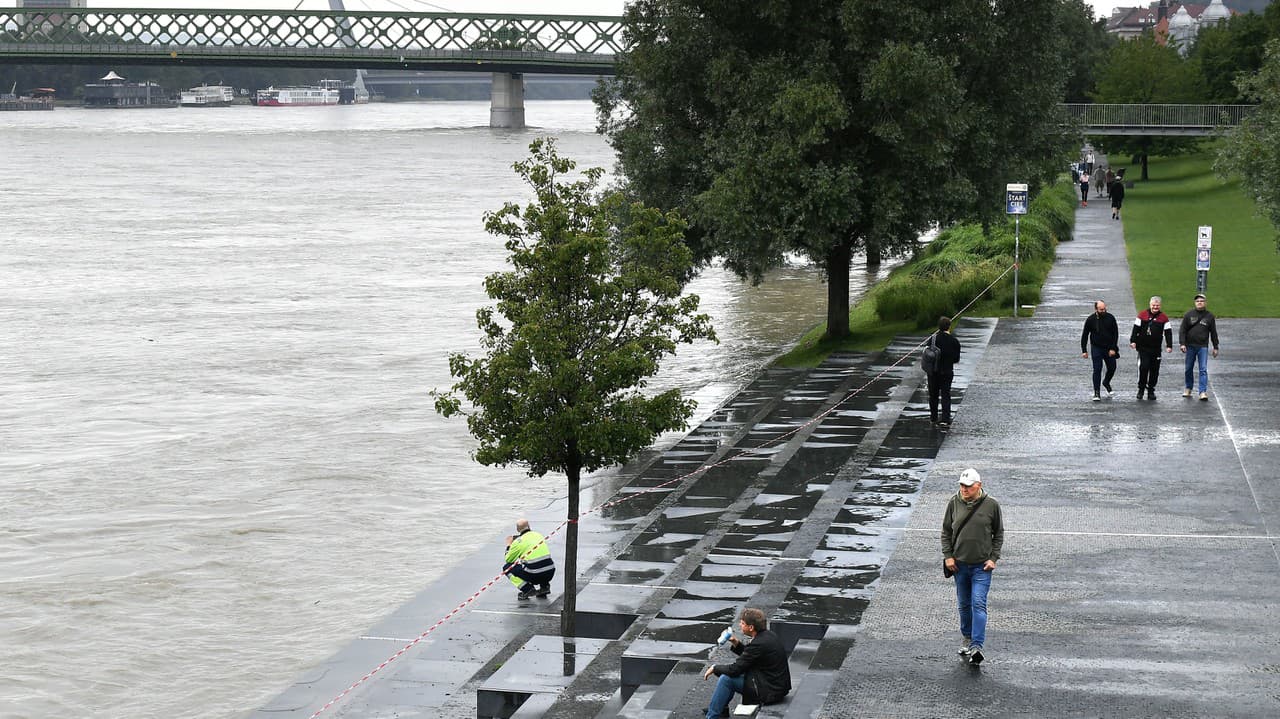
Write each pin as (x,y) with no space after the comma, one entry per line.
(528,563)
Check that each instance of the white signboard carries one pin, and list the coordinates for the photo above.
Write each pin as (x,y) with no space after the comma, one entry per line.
(1204,242)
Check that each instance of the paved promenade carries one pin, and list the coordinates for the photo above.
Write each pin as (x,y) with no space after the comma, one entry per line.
(1140,573)
(1140,567)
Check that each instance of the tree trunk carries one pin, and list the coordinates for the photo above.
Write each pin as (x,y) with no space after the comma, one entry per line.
(569,612)
(838,260)
(873,255)
(1144,167)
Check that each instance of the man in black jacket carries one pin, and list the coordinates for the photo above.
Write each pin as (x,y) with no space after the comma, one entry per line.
(943,374)
(760,673)
(1149,328)
(1101,335)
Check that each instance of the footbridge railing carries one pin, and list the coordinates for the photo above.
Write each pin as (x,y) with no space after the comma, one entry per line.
(1171,120)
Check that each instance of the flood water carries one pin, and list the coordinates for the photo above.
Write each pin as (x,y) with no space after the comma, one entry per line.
(218,458)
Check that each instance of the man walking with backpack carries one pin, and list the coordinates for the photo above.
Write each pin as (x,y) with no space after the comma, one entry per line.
(939,366)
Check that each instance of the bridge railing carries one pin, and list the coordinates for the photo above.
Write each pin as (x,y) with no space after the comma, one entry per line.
(1157,119)
(249,34)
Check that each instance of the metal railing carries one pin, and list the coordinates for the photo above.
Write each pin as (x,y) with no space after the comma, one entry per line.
(406,40)
(1102,119)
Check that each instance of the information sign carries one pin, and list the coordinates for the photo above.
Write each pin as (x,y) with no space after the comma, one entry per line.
(1015,199)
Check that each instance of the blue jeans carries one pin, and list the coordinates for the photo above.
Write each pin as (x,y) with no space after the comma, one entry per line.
(972,584)
(726,687)
(1201,355)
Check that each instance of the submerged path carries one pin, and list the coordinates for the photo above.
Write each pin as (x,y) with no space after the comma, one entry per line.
(1138,576)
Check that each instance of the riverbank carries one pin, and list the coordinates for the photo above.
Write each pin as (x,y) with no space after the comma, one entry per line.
(1115,511)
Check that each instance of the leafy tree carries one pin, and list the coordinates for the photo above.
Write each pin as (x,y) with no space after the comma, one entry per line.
(590,307)
(1252,151)
(821,129)
(1227,51)
(1088,44)
(1142,71)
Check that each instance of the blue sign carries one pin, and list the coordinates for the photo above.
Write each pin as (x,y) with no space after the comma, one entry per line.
(1015,199)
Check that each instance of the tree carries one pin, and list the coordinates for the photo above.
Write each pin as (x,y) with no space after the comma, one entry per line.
(590,307)
(1088,43)
(821,129)
(1252,150)
(1142,71)
(1227,51)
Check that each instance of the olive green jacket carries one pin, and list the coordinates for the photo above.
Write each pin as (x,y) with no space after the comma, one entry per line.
(980,539)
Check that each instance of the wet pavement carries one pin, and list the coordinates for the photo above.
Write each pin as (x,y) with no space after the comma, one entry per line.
(1139,569)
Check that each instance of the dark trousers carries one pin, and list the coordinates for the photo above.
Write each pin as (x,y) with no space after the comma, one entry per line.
(940,389)
(1101,357)
(540,578)
(1148,369)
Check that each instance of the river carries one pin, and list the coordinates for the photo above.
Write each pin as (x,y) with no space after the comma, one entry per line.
(218,457)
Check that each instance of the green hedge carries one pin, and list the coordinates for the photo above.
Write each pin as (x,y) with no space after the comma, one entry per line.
(963,261)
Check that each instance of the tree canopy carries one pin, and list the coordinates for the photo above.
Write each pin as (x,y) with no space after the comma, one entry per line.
(1252,150)
(591,305)
(826,129)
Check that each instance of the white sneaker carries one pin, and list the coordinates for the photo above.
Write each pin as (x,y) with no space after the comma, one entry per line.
(1186,392)
(1204,396)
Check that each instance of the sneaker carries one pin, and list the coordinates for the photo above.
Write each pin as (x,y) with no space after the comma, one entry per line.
(975,655)
(1186,392)
(1107,387)
(944,424)
(1151,395)
(1142,393)
(965,648)
(526,592)
(544,591)
(1097,398)
(1204,396)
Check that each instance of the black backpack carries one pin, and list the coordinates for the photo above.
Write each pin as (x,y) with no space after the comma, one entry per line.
(931,355)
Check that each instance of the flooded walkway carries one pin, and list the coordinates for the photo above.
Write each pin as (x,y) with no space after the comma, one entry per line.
(1138,575)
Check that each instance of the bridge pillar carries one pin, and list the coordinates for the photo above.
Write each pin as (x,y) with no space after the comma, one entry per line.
(506,100)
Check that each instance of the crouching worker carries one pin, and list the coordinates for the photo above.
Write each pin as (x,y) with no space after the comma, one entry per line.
(760,673)
(528,564)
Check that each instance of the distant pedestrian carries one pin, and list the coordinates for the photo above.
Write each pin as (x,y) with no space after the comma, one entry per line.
(1084,189)
(1101,339)
(1149,327)
(1111,177)
(1099,181)
(528,563)
(943,375)
(972,536)
(1088,161)
(1199,329)
(1116,189)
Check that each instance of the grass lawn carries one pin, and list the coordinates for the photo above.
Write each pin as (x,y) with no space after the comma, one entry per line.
(1161,217)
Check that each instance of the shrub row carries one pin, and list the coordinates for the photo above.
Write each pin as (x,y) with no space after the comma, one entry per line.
(963,262)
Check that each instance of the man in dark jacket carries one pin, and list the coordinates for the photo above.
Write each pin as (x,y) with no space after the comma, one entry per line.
(1148,329)
(760,673)
(943,374)
(1101,336)
(972,537)
(1199,328)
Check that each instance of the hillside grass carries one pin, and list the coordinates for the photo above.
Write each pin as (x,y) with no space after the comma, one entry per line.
(1161,217)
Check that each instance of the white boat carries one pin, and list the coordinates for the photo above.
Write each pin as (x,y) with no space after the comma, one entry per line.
(296,96)
(208,96)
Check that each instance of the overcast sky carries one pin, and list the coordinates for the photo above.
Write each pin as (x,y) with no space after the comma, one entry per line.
(523,7)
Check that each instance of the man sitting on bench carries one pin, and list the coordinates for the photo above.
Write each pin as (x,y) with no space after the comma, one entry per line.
(760,673)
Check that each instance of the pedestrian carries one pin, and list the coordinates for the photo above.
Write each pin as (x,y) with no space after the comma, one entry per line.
(1117,194)
(1088,161)
(760,673)
(1199,329)
(1111,177)
(1099,180)
(972,536)
(528,563)
(1148,328)
(1101,339)
(943,374)
(1084,189)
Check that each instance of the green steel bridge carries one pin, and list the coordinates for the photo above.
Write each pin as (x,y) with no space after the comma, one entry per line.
(331,39)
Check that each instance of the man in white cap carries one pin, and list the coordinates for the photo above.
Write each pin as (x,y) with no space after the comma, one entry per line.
(972,534)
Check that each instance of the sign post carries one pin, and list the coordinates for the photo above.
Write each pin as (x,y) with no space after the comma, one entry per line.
(1015,203)
(1204,243)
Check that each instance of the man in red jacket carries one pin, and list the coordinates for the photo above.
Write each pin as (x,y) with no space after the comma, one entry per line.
(1148,328)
